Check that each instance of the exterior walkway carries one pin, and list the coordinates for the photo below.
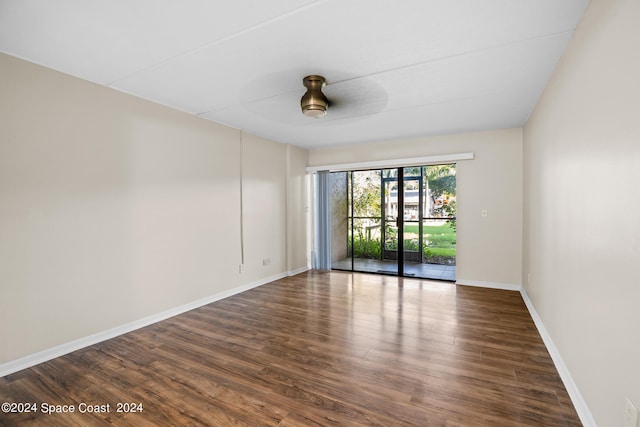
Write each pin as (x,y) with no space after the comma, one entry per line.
(411,269)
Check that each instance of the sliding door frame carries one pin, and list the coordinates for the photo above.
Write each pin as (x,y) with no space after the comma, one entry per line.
(398,164)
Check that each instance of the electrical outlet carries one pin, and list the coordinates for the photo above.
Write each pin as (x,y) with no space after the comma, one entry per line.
(266,261)
(631,415)
(241,268)
(484,212)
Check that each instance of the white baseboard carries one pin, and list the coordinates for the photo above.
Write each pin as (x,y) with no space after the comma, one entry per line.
(578,401)
(62,349)
(492,285)
(299,270)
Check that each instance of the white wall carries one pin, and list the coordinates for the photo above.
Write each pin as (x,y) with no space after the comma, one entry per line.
(264,207)
(298,209)
(489,249)
(582,207)
(113,209)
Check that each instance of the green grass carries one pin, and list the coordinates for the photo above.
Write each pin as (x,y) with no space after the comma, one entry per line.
(439,236)
(442,252)
(439,240)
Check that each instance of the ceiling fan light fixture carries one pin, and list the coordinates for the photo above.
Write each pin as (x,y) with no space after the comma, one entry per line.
(314,103)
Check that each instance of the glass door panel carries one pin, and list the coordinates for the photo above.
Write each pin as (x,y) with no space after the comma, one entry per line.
(340,207)
(439,222)
(411,216)
(390,231)
(365,220)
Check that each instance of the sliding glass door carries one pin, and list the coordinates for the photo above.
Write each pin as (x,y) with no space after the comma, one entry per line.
(398,221)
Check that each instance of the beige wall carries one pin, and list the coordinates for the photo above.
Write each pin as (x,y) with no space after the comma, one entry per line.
(582,208)
(298,209)
(264,207)
(113,209)
(489,249)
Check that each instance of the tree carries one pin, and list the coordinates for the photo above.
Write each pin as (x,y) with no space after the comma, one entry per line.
(366,213)
(441,184)
(366,194)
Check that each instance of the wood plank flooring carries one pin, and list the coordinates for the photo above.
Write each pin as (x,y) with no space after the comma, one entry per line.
(316,349)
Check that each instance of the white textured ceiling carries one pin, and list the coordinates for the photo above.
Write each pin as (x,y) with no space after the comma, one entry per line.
(395,69)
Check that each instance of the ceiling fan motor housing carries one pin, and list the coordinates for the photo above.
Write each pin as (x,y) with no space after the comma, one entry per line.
(314,103)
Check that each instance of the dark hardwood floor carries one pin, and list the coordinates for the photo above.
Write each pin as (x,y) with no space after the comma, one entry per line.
(315,349)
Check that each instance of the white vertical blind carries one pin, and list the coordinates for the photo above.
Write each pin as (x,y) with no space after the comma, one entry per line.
(323,222)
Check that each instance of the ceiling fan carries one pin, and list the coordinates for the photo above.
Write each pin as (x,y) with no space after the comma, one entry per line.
(314,103)
(275,98)
(350,98)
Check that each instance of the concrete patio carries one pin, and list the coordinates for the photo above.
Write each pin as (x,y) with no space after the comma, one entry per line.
(411,269)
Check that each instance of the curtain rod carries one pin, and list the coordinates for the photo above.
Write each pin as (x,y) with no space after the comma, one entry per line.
(381,164)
